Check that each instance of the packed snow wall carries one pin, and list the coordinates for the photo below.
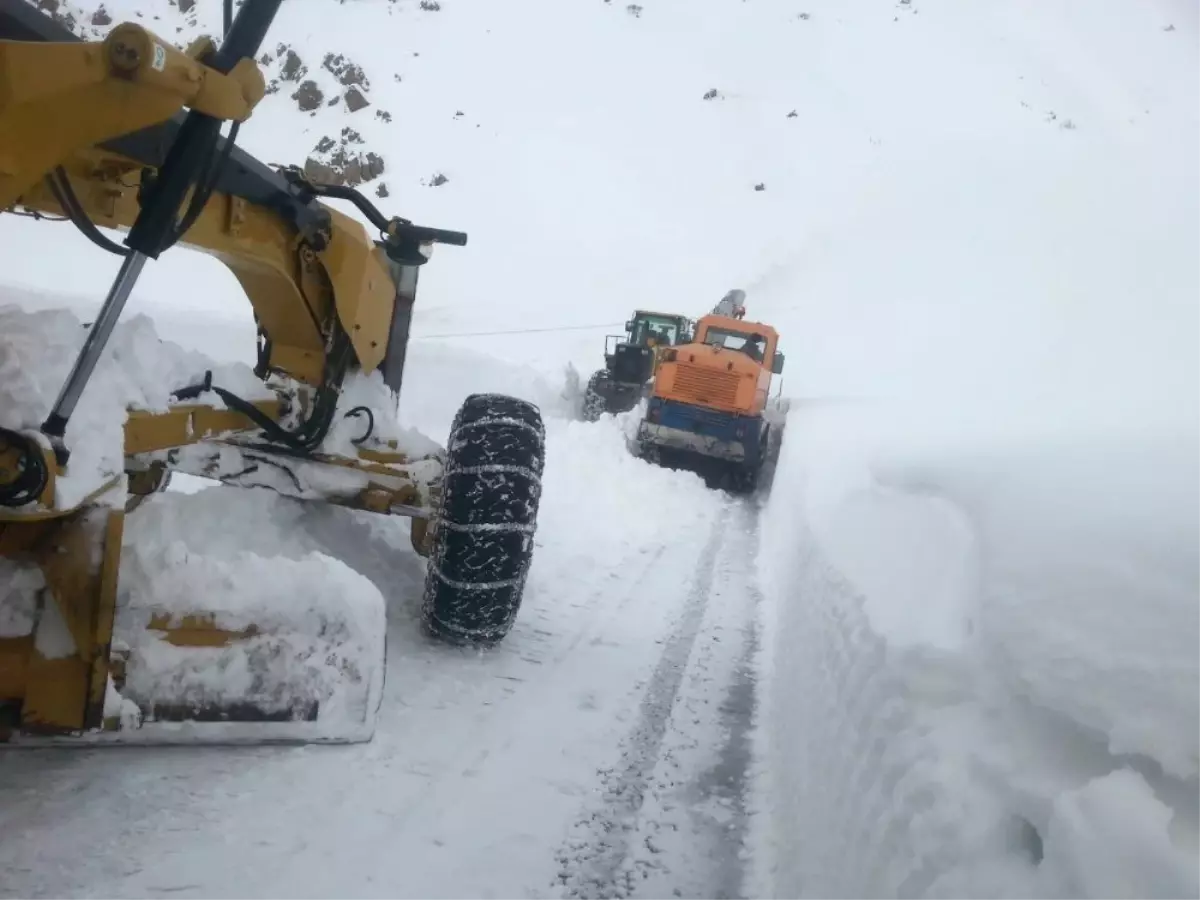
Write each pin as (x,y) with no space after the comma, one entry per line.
(853,805)
(981,676)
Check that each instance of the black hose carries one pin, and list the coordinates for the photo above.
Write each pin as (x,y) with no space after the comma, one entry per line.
(309,435)
(60,187)
(33,476)
(205,185)
(359,411)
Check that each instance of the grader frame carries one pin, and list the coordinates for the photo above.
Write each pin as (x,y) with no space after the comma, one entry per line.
(124,133)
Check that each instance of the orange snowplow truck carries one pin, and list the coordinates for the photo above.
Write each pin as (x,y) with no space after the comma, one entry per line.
(709,399)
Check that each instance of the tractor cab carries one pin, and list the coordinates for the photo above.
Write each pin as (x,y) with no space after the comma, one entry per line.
(657,329)
(631,357)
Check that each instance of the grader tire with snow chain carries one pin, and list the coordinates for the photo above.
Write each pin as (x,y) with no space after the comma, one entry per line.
(483,536)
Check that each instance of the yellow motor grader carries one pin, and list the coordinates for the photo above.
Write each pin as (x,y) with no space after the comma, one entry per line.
(126,133)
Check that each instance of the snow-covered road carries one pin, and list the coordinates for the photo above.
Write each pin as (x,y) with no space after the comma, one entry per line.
(613,724)
(977,673)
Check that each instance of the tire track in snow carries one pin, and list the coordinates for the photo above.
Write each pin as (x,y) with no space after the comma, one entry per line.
(694,825)
(605,861)
(433,688)
(592,614)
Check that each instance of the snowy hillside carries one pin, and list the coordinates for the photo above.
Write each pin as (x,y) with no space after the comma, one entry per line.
(966,619)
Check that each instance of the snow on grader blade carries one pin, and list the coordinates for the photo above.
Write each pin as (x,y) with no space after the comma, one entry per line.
(111,634)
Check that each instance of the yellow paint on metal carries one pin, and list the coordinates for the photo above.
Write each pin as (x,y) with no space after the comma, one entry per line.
(371,462)
(421,536)
(57,99)
(291,291)
(55,696)
(385,457)
(198,630)
(14,666)
(12,459)
(363,289)
(146,432)
(105,616)
(79,556)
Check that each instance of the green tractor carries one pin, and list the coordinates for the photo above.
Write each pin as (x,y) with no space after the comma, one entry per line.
(630,361)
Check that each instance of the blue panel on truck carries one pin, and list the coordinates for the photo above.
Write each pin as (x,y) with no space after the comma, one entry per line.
(697,419)
(744,431)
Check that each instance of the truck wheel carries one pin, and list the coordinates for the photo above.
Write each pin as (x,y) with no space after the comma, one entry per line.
(772,441)
(594,404)
(745,478)
(482,540)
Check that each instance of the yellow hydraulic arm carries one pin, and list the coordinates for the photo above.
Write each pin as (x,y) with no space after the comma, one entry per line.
(96,132)
(77,140)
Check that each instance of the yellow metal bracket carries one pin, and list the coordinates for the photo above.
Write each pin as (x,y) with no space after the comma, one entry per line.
(61,98)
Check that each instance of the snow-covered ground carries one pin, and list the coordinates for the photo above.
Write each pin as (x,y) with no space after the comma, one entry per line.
(491,774)
(957,651)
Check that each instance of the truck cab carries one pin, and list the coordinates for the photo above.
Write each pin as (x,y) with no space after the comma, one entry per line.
(709,396)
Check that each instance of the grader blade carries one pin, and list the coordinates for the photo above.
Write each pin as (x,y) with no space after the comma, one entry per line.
(179,654)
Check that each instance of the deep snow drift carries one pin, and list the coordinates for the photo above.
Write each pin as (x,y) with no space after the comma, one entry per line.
(998,647)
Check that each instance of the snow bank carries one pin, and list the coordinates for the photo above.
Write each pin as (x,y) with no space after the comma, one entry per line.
(1089,599)
(612,500)
(985,672)
(853,793)
(1111,837)
(438,378)
(137,370)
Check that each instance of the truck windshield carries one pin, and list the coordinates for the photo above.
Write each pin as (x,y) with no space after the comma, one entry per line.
(664,331)
(751,344)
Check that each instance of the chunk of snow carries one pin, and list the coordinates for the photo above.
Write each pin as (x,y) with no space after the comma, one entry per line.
(20,584)
(125,711)
(53,638)
(1110,838)
(137,370)
(370,391)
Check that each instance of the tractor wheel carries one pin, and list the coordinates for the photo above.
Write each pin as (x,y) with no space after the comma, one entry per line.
(594,403)
(482,541)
